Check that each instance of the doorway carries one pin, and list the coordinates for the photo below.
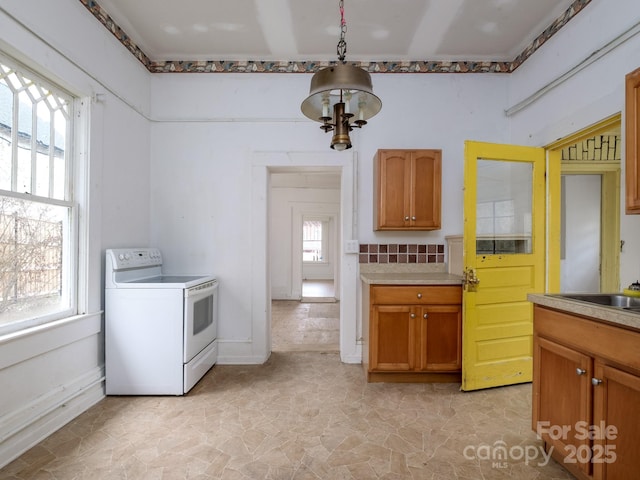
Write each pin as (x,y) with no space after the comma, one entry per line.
(257,348)
(319,265)
(584,174)
(580,233)
(304,220)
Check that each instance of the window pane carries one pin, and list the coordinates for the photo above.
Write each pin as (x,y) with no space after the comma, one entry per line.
(43,149)
(6,124)
(60,120)
(504,205)
(33,279)
(312,241)
(23,184)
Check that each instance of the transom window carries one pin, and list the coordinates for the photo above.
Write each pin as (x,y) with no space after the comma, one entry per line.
(37,213)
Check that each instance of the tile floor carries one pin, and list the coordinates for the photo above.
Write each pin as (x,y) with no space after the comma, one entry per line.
(301,415)
(310,327)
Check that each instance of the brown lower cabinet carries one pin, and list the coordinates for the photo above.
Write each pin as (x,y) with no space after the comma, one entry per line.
(586,394)
(412,333)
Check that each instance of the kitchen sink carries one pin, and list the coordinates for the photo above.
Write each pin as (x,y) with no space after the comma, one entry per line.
(607,299)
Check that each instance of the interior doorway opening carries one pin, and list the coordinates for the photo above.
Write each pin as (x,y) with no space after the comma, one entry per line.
(319,261)
(305,262)
(584,174)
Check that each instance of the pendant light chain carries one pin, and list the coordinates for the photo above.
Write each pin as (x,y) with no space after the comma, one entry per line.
(342,44)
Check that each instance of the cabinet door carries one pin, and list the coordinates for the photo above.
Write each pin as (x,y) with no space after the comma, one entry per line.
(393,176)
(616,419)
(392,338)
(562,398)
(407,190)
(425,189)
(632,150)
(440,338)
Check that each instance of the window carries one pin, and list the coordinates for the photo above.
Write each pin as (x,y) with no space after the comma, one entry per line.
(37,213)
(315,235)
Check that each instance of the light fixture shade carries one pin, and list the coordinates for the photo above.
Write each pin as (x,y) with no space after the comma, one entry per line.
(330,82)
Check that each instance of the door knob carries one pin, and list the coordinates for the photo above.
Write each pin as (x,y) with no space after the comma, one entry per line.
(470,280)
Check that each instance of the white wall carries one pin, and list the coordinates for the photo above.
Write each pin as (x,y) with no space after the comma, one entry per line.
(48,375)
(580,264)
(204,141)
(594,93)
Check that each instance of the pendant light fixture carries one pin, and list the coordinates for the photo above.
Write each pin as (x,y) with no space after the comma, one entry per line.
(341,96)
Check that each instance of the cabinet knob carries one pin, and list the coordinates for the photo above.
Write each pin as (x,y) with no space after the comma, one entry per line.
(580,371)
(413,218)
(595,382)
(425,316)
(419,295)
(406,219)
(413,315)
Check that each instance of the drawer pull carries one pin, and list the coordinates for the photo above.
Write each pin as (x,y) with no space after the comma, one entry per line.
(419,295)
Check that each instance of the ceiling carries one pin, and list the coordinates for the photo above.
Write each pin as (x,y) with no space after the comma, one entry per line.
(308,30)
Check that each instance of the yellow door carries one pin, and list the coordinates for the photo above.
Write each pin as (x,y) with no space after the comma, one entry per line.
(504,260)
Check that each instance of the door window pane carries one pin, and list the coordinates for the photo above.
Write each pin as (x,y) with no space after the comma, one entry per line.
(504,207)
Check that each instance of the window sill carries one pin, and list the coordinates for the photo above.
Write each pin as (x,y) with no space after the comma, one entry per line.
(19,346)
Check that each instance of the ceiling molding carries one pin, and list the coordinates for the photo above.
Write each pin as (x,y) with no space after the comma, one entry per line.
(258,66)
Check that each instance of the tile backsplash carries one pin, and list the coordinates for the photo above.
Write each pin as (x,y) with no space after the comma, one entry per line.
(401,253)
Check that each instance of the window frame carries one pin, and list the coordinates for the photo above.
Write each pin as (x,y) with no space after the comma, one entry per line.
(75,196)
(325,222)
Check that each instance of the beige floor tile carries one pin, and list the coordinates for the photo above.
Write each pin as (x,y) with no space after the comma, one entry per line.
(301,415)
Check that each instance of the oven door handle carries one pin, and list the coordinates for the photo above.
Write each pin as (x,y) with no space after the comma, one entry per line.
(201,291)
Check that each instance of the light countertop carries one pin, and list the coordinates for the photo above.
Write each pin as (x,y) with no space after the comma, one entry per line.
(612,315)
(410,278)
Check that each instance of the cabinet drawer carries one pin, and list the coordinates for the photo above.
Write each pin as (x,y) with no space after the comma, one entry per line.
(416,295)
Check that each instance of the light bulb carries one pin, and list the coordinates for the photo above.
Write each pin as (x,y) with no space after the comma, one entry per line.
(347,101)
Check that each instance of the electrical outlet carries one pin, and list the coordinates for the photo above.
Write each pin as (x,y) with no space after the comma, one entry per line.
(351,246)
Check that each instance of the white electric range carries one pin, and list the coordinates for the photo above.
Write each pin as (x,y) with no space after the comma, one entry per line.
(160,330)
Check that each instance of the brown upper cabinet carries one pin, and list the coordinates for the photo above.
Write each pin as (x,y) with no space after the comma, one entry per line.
(407,189)
(632,132)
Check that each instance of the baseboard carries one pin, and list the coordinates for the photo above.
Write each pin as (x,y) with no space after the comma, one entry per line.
(35,421)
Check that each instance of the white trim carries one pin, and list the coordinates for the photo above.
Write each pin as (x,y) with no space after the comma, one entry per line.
(19,346)
(261,162)
(33,422)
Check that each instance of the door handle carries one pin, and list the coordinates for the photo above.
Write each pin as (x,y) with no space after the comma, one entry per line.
(470,280)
